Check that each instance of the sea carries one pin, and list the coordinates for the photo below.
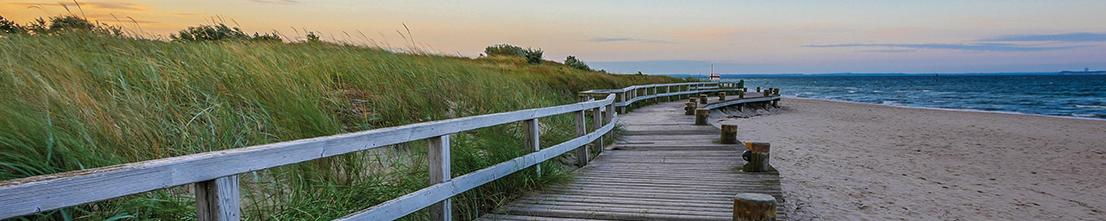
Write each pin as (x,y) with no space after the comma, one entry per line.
(1052,94)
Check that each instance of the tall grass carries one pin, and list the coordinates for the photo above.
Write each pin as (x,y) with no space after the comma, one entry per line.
(75,101)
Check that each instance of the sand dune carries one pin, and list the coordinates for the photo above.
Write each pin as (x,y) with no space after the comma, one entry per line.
(846,161)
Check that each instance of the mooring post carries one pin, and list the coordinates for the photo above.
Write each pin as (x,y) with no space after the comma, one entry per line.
(689,108)
(581,130)
(218,199)
(758,89)
(703,98)
(438,158)
(721,96)
(758,157)
(701,115)
(754,207)
(729,134)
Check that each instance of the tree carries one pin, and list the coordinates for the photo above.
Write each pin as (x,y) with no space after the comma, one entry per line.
(571,61)
(741,84)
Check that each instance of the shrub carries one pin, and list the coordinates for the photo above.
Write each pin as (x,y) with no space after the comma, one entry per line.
(209,33)
(571,61)
(10,27)
(70,23)
(533,56)
(266,37)
(312,37)
(741,84)
(504,50)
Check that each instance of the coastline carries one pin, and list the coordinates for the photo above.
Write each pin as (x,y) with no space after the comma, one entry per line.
(948,109)
(850,160)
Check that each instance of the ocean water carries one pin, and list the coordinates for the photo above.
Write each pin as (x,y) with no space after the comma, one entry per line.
(1082,96)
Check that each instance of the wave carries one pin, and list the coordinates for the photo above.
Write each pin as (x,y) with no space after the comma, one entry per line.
(1091,106)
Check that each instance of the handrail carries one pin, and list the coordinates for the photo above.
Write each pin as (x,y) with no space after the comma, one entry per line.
(215,173)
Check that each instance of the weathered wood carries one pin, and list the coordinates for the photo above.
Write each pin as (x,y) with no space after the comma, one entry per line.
(406,204)
(582,154)
(533,139)
(689,108)
(754,207)
(722,96)
(668,170)
(218,199)
(701,116)
(597,122)
(758,157)
(729,134)
(438,158)
(741,94)
(702,98)
(34,194)
(758,89)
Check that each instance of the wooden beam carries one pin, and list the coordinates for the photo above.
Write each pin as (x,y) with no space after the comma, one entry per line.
(533,140)
(581,129)
(218,199)
(407,204)
(438,157)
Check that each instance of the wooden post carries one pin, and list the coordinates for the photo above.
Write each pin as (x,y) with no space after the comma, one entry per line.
(621,98)
(533,139)
(438,158)
(777,92)
(597,121)
(754,207)
(758,158)
(581,130)
(740,94)
(766,93)
(758,89)
(689,108)
(218,199)
(701,116)
(729,134)
(702,98)
(721,96)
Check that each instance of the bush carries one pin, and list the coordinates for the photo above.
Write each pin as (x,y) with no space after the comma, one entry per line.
(312,37)
(741,84)
(533,56)
(571,61)
(10,27)
(209,33)
(70,23)
(504,50)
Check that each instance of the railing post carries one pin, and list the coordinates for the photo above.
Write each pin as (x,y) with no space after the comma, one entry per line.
(438,158)
(218,199)
(597,120)
(621,98)
(581,130)
(533,139)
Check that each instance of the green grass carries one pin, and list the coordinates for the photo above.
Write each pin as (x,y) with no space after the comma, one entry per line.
(78,101)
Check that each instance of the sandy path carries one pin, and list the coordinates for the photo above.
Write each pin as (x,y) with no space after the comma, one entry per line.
(845,161)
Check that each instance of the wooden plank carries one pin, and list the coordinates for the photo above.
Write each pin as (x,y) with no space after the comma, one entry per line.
(40,193)
(438,159)
(406,204)
(218,199)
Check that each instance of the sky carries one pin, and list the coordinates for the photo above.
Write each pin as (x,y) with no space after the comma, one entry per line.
(662,37)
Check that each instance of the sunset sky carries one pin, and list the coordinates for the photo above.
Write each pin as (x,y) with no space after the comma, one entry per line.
(667,36)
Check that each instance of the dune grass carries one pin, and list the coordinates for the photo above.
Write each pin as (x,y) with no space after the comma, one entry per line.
(75,101)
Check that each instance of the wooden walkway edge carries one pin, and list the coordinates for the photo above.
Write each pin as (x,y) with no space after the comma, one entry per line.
(663,168)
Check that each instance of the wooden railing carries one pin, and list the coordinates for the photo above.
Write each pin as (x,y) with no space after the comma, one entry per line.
(215,174)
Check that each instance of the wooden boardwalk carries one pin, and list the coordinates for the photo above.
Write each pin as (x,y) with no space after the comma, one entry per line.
(663,168)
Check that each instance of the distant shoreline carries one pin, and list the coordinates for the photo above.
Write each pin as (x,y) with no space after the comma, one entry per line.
(951,109)
(778,75)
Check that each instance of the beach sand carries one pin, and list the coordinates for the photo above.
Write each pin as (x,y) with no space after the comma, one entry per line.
(848,161)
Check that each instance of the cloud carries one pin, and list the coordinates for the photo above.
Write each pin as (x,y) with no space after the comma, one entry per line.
(1064,37)
(625,39)
(87,5)
(985,46)
(278,2)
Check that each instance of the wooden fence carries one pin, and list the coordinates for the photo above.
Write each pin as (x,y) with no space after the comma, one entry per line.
(215,174)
